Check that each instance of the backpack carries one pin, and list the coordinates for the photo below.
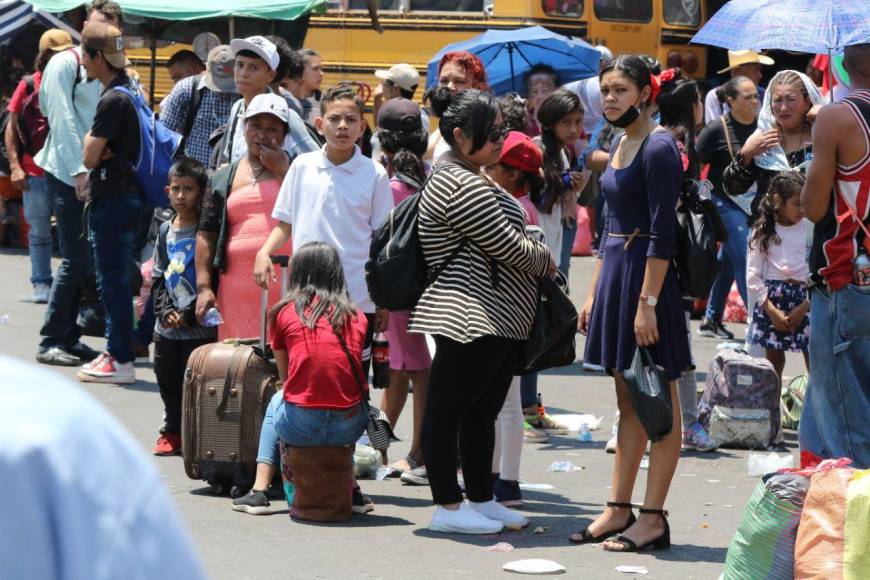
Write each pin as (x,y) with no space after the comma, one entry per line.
(396,273)
(699,231)
(157,147)
(741,402)
(32,124)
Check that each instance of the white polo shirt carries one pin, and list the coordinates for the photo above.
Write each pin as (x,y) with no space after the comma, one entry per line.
(340,205)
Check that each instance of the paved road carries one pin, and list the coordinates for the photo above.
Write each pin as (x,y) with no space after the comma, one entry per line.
(706,500)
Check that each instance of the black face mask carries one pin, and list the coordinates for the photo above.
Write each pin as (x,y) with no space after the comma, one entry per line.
(627,118)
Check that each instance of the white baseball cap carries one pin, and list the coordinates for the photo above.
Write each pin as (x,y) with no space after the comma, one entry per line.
(402,75)
(260,46)
(269,104)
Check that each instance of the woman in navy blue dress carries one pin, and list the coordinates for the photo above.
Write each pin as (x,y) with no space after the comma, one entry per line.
(635,299)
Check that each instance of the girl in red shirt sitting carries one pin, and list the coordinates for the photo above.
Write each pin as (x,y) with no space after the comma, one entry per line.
(321,403)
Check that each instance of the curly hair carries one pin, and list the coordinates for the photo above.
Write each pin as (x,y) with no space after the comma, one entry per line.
(472,65)
(406,149)
(514,115)
(784,186)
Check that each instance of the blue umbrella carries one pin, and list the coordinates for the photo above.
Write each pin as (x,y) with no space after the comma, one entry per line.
(508,54)
(812,26)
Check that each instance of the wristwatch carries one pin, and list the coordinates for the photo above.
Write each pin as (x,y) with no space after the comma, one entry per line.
(649,300)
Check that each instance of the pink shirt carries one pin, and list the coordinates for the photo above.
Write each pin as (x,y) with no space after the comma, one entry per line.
(531,210)
(786,260)
(401,190)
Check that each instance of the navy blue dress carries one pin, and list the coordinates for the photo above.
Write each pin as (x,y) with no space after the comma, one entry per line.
(641,196)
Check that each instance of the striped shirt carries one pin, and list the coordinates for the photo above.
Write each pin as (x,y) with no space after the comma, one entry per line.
(490,287)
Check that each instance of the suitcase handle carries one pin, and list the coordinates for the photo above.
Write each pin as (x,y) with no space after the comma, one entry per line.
(229,381)
(278,260)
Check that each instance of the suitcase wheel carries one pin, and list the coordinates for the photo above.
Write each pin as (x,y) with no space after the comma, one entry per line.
(219,487)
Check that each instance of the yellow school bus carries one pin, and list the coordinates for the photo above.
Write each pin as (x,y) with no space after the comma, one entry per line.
(414,30)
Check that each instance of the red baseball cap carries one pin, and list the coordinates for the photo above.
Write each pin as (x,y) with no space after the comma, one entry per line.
(520,152)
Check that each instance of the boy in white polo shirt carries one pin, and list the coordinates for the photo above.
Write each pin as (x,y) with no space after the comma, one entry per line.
(336,196)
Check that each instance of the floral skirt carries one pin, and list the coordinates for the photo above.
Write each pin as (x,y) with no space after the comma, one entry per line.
(784,296)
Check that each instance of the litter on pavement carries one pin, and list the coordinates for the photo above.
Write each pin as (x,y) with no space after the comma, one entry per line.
(500,547)
(632,569)
(534,566)
(563,466)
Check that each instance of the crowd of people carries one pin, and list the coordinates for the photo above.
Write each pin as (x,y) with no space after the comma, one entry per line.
(271,164)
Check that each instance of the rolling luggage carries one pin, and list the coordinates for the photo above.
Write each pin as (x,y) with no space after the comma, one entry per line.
(227,387)
(740,406)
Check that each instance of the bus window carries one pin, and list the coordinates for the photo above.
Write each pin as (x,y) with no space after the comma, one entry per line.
(562,7)
(447,5)
(624,10)
(683,12)
(363,4)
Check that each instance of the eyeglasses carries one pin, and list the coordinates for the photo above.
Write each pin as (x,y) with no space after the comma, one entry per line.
(498,133)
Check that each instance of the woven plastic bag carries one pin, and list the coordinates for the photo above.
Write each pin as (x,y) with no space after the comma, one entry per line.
(763,546)
(820,543)
(856,552)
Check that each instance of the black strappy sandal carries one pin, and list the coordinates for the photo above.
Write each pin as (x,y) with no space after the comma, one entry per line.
(662,542)
(588,538)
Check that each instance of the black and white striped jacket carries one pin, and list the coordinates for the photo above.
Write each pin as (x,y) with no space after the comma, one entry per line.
(490,288)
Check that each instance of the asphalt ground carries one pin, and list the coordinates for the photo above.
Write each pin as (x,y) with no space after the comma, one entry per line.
(706,500)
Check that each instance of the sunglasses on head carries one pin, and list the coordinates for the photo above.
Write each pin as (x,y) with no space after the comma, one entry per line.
(498,133)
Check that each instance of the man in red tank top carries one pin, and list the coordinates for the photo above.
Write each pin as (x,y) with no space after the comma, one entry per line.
(836,414)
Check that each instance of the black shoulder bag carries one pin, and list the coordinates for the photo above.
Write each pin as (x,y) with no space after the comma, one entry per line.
(378,427)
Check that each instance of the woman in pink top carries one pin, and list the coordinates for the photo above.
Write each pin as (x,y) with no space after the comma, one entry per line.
(403,142)
(777,271)
(518,172)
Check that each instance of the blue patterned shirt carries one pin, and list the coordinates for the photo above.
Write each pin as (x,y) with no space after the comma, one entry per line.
(214,111)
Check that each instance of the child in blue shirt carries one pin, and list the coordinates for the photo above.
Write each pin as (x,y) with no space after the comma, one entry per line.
(177,333)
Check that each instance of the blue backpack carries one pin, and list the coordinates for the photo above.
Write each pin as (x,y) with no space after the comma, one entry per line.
(157,147)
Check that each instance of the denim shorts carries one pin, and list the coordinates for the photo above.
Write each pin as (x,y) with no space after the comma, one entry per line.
(304,427)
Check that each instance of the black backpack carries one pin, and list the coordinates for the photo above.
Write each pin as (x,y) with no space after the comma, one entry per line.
(699,231)
(396,273)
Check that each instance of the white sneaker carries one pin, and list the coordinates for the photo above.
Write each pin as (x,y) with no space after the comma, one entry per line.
(108,371)
(40,293)
(465,520)
(495,511)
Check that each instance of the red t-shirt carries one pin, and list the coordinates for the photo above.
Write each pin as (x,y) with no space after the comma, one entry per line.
(16,103)
(318,373)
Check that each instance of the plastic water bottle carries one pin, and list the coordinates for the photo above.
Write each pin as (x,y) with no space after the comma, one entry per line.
(380,362)
(585,435)
(212,317)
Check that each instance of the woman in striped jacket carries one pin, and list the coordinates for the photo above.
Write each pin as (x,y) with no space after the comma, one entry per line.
(480,310)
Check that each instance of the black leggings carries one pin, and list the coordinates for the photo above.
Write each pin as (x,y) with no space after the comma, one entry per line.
(467,387)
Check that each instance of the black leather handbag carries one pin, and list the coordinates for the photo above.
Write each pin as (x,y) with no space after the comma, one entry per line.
(650,393)
(552,340)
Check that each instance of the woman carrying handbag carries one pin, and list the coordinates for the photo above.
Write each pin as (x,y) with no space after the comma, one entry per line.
(635,300)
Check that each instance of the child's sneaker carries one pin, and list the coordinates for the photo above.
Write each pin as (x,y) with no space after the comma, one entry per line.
(532,435)
(541,420)
(361,503)
(107,370)
(696,437)
(168,444)
(508,493)
(254,502)
(465,520)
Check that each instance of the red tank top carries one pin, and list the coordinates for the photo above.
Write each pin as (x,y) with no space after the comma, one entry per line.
(852,184)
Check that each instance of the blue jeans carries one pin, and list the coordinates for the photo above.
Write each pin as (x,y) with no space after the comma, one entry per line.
(144,331)
(301,427)
(59,328)
(568,235)
(529,390)
(113,219)
(268,452)
(836,416)
(37,211)
(732,258)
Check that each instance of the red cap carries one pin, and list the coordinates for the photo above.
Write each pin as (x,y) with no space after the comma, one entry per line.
(520,152)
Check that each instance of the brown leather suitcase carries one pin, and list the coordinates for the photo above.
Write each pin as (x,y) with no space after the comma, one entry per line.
(227,387)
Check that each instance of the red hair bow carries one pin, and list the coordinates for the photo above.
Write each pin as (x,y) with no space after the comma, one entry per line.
(655,88)
(667,76)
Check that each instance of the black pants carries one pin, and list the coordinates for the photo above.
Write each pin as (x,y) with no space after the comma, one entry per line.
(468,384)
(170,361)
